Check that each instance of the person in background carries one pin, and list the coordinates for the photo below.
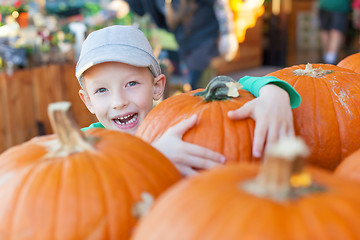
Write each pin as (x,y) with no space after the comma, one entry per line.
(120,78)
(356,18)
(204,29)
(333,15)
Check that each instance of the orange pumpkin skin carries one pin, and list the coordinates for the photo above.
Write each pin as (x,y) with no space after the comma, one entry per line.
(214,130)
(86,195)
(213,206)
(351,62)
(329,114)
(350,167)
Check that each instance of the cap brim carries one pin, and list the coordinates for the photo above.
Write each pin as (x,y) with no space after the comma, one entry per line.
(116,53)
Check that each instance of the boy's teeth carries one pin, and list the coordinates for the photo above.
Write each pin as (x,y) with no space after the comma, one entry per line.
(126,119)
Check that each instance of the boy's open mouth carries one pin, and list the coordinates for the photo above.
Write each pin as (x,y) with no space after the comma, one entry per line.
(128,119)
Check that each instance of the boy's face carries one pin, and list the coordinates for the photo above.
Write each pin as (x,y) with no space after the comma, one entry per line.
(120,95)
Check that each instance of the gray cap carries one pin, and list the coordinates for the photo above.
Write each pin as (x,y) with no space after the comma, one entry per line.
(118,43)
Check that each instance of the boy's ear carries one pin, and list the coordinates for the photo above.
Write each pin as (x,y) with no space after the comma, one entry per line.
(86,100)
(159,86)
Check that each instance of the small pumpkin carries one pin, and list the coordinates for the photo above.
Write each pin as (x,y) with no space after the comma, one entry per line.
(351,62)
(350,167)
(78,186)
(329,115)
(278,200)
(214,129)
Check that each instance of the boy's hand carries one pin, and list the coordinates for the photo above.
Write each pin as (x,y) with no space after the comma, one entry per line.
(186,156)
(272,114)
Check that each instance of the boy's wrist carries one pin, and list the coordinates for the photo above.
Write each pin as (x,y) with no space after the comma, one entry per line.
(255,84)
(271,90)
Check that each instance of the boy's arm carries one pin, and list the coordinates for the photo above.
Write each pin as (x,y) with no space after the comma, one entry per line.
(254,84)
(271,110)
(186,156)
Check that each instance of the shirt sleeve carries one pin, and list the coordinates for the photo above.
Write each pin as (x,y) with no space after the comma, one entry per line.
(254,84)
(93,125)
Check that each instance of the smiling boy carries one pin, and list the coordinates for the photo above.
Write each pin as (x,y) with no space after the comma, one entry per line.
(118,94)
(120,78)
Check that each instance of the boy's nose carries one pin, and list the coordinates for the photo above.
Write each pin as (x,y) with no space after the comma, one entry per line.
(120,101)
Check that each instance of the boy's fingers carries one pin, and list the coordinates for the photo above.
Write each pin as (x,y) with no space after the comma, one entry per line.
(205,153)
(186,170)
(241,113)
(200,163)
(183,126)
(272,135)
(259,140)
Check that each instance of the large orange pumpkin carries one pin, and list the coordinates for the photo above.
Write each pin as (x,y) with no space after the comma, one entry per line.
(75,186)
(351,62)
(350,167)
(214,129)
(282,202)
(329,115)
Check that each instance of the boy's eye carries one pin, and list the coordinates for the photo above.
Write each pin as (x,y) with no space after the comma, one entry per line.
(130,84)
(101,90)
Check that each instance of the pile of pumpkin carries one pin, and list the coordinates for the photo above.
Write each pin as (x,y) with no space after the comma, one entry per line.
(104,184)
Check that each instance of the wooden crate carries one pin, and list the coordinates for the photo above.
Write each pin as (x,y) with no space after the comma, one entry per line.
(25,96)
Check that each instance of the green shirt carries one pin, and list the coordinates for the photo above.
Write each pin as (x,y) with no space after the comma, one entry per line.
(253,85)
(93,125)
(343,6)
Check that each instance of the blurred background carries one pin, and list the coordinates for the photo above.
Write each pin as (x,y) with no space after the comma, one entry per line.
(40,41)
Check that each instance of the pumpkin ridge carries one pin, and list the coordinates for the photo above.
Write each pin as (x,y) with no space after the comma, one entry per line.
(307,212)
(251,136)
(25,184)
(214,214)
(296,82)
(340,207)
(316,130)
(56,194)
(333,95)
(337,215)
(184,111)
(97,168)
(223,114)
(228,126)
(357,86)
(197,105)
(157,165)
(59,193)
(215,116)
(139,167)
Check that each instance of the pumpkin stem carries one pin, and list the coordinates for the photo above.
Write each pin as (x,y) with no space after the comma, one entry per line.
(220,88)
(281,175)
(70,139)
(312,72)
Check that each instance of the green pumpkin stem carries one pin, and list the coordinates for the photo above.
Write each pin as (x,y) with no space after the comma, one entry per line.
(281,176)
(312,72)
(69,139)
(220,88)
